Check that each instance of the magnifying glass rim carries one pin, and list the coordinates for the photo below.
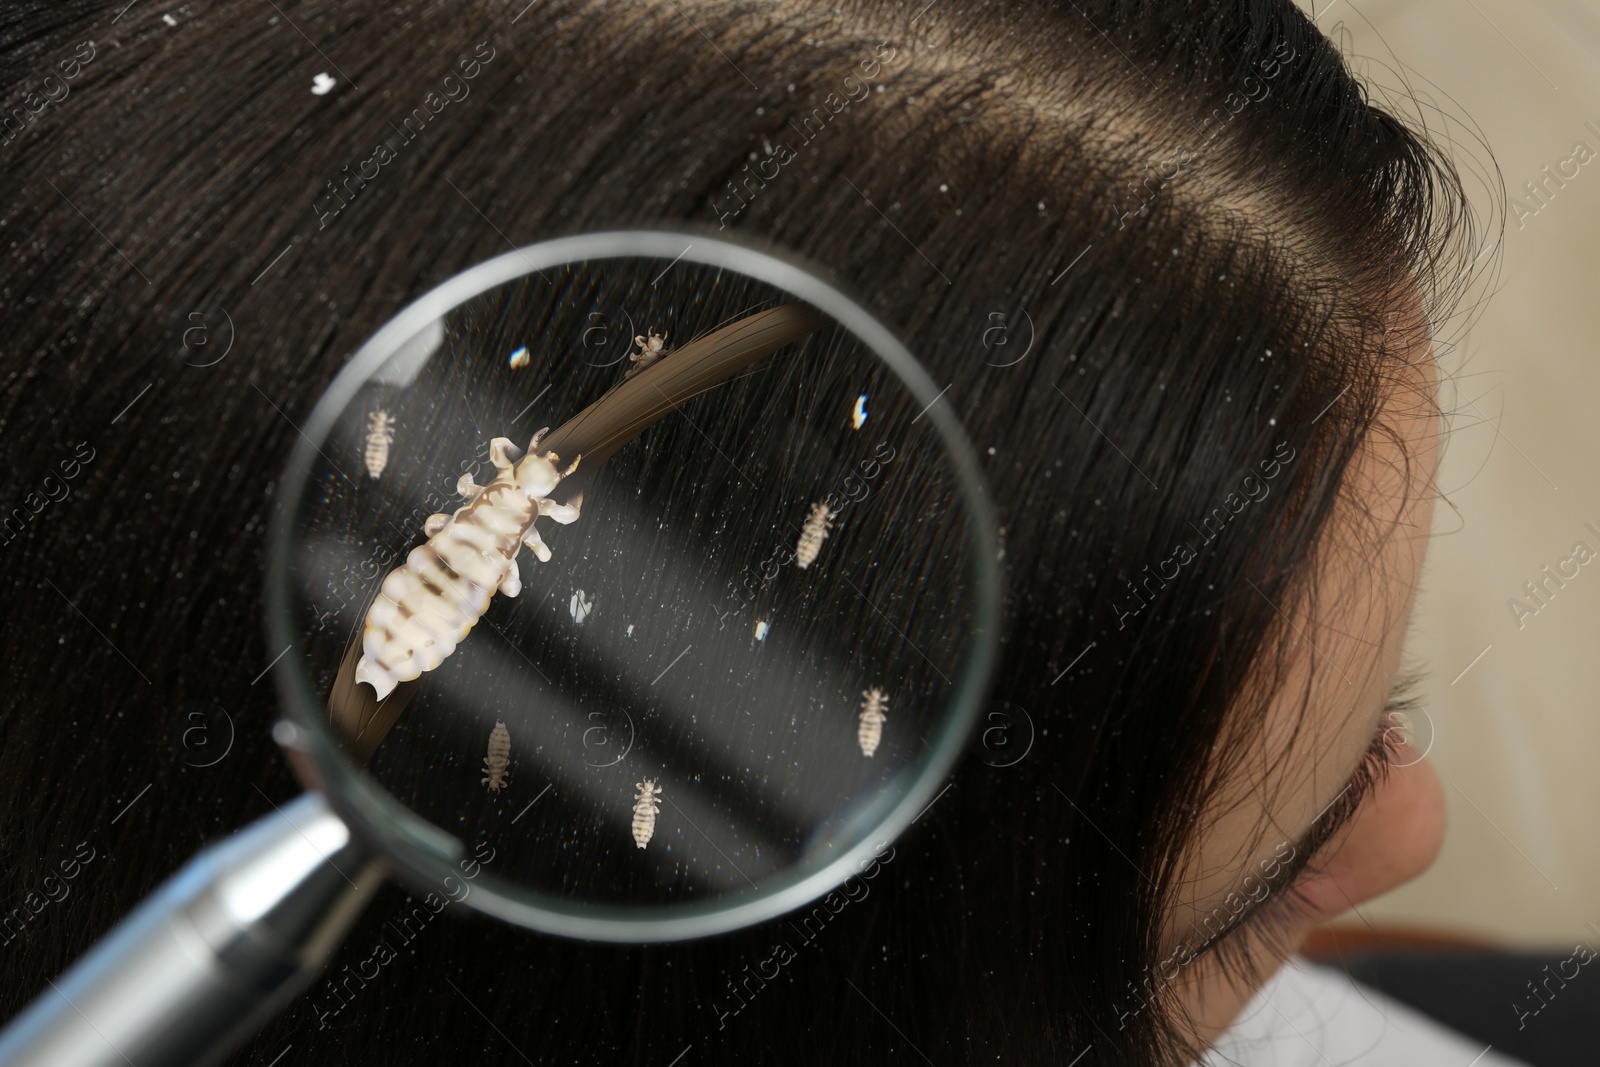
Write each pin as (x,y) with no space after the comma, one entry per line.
(364,805)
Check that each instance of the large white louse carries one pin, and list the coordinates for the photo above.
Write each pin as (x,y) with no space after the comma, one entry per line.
(380,432)
(811,537)
(651,349)
(429,604)
(498,759)
(870,732)
(645,810)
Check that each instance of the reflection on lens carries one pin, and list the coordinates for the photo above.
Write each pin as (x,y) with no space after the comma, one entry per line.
(692,643)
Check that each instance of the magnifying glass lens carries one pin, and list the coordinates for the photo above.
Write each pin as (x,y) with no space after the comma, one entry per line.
(722,648)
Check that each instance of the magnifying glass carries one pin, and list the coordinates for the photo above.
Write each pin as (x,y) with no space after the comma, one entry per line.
(635,586)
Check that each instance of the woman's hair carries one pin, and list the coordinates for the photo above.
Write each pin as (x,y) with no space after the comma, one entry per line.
(1163,256)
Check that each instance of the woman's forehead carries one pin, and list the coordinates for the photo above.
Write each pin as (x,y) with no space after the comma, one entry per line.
(1341,645)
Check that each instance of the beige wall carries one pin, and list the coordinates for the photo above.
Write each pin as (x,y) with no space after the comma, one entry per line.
(1517,738)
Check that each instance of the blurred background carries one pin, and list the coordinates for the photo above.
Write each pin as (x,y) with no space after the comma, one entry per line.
(1509,698)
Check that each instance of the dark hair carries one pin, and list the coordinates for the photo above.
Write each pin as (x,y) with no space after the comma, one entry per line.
(1190,218)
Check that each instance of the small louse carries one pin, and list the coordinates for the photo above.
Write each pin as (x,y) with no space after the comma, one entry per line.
(651,349)
(815,532)
(427,605)
(645,810)
(380,432)
(498,759)
(519,359)
(870,732)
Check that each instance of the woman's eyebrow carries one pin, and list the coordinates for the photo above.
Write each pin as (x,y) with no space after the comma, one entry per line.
(1316,831)
(1363,780)
(1321,829)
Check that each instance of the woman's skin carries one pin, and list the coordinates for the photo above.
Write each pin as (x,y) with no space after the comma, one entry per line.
(1348,653)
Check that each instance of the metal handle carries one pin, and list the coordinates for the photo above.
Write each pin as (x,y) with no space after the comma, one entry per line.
(221,946)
